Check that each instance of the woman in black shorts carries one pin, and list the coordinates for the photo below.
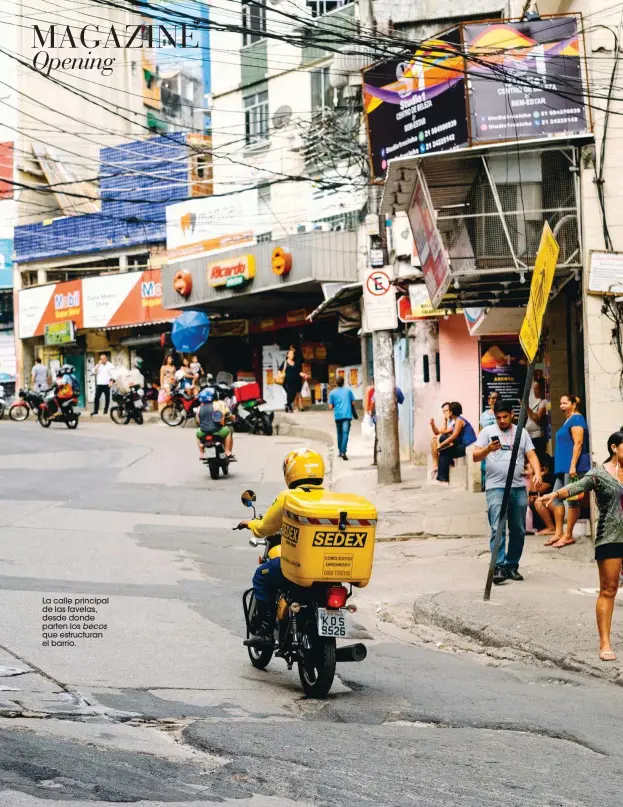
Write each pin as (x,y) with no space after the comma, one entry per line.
(607,483)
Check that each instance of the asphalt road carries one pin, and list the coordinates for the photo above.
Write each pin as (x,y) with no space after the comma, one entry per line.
(161,707)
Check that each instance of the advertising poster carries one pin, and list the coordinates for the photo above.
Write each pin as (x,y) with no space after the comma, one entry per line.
(211,225)
(416,104)
(503,368)
(433,259)
(526,79)
(43,305)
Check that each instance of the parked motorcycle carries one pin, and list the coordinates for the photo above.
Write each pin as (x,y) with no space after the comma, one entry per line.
(65,414)
(215,457)
(181,408)
(253,417)
(308,618)
(128,405)
(28,399)
(3,402)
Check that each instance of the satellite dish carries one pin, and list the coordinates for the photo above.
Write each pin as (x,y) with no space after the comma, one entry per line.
(282,116)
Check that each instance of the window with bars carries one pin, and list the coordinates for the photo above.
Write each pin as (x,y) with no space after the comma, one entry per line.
(320,7)
(253,21)
(256,118)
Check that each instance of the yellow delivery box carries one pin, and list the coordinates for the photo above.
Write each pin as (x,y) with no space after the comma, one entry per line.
(327,537)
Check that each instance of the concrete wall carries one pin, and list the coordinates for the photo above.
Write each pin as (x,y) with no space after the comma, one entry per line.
(460,366)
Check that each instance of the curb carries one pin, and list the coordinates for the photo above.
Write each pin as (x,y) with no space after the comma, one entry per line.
(427,612)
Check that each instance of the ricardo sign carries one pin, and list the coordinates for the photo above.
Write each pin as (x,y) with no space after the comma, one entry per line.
(232,272)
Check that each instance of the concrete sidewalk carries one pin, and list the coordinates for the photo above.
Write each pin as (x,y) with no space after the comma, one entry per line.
(431,566)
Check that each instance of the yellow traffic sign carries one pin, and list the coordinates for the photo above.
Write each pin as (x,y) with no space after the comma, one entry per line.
(542,278)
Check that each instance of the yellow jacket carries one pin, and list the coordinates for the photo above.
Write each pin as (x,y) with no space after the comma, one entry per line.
(271,523)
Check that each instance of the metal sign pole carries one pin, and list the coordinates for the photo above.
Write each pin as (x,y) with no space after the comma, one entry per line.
(523,413)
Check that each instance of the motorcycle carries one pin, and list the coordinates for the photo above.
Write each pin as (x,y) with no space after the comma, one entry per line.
(215,457)
(181,408)
(65,414)
(252,416)
(128,405)
(3,402)
(29,399)
(308,621)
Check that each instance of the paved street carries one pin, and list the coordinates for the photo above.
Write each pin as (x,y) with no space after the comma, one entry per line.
(162,707)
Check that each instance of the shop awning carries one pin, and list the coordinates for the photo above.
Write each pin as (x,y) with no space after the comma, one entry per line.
(347,295)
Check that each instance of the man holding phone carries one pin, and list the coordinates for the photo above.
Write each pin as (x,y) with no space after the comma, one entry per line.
(495,446)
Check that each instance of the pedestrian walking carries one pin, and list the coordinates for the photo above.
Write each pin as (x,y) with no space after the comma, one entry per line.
(495,445)
(293,378)
(103,373)
(606,481)
(455,444)
(40,376)
(571,461)
(342,401)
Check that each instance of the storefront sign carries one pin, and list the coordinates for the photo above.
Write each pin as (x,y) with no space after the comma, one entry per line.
(434,262)
(231,273)
(276,323)
(415,104)
(59,333)
(183,282)
(230,327)
(525,79)
(107,301)
(542,279)
(281,262)
(417,306)
(503,370)
(212,224)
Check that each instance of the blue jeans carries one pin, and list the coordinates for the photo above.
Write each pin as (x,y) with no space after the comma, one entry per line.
(268,578)
(343,431)
(516,520)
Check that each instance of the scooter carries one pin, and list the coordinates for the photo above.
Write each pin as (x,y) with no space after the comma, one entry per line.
(308,621)
(128,406)
(64,414)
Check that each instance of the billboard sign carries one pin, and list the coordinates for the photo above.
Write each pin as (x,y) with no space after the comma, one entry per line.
(415,104)
(211,225)
(433,259)
(526,79)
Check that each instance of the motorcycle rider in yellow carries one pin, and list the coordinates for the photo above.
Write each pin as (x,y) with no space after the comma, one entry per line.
(300,468)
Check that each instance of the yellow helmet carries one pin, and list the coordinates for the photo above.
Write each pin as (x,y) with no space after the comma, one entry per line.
(303,466)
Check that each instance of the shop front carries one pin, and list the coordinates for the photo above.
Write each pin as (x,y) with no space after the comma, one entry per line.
(260,297)
(72,322)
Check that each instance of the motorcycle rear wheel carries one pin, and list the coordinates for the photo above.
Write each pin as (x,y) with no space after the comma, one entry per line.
(118,416)
(213,466)
(72,422)
(318,672)
(171,415)
(19,412)
(139,418)
(267,425)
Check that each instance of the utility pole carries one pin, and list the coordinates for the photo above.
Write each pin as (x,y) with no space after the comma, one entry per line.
(386,406)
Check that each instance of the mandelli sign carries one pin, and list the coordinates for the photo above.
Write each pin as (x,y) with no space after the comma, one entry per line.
(231,273)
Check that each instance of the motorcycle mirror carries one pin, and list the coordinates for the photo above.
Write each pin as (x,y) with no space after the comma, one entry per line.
(248,498)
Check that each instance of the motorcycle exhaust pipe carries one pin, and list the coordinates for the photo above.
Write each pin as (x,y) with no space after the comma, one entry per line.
(351,652)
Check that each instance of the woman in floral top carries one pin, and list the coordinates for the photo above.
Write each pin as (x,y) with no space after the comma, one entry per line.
(607,483)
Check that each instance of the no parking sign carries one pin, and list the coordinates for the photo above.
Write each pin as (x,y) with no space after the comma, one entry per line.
(379,298)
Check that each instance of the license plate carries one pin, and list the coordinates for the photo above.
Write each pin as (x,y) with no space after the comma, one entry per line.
(210,453)
(332,623)
(262,407)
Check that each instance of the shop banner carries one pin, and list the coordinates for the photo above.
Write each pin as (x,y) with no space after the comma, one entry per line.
(43,305)
(107,301)
(415,104)
(128,298)
(417,306)
(210,225)
(526,79)
(503,369)
(288,320)
(433,259)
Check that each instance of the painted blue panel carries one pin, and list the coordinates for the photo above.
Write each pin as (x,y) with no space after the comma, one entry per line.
(6,263)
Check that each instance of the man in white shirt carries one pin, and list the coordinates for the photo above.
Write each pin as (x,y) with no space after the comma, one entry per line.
(495,446)
(40,376)
(103,381)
